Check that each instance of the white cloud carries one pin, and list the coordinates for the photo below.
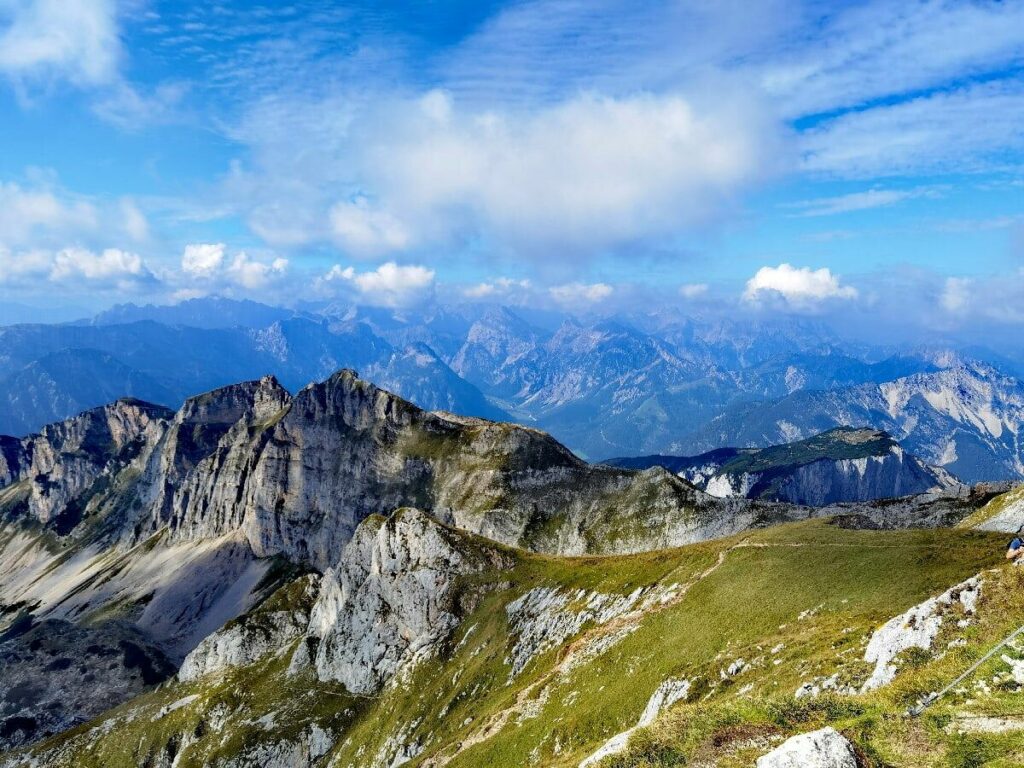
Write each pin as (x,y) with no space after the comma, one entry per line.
(579,293)
(693,290)
(73,39)
(869,50)
(252,274)
(799,288)
(862,201)
(956,294)
(135,223)
(208,263)
(26,213)
(499,286)
(583,174)
(203,260)
(389,284)
(970,129)
(362,230)
(109,264)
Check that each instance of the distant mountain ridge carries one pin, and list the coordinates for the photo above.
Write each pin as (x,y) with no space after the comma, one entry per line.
(842,465)
(617,386)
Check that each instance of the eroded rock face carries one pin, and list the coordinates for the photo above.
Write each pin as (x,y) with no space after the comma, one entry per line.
(270,628)
(826,748)
(298,483)
(66,463)
(917,628)
(391,599)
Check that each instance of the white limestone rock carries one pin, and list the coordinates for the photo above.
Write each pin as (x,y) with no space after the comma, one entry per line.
(917,628)
(825,748)
(666,694)
(253,636)
(391,599)
(545,617)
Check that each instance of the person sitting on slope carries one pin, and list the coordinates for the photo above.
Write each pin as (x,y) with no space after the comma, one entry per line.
(1015,552)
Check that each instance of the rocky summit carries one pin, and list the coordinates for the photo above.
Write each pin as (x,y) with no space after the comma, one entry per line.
(337,577)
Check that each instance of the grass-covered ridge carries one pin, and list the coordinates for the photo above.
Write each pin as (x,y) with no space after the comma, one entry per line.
(793,602)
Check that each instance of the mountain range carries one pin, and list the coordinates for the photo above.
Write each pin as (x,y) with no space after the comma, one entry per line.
(620,386)
(338,577)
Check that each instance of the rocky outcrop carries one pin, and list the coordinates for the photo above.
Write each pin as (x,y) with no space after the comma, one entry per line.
(666,694)
(271,628)
(917,628)
(544,617)
(299,482)
(826,748)
(391,600)
(61,468)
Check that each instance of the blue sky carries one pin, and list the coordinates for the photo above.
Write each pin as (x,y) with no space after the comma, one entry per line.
(847,160)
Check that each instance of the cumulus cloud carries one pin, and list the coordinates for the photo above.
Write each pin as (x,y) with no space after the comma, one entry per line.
(209,264)
(582,174)
(390,284)
(203,260)
(798,288)
(73,39)
(253,274)
(580,293)
(75,268)
(363,230)
(112,263)
(501,286)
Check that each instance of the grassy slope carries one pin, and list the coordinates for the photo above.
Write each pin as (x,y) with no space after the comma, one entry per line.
(467,713)
(994,507)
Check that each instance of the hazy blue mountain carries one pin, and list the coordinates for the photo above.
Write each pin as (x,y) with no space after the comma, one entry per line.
(965,419)
(52,378)
(207,312)
(67,382)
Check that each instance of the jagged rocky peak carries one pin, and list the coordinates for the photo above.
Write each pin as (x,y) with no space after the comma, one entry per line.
(64,460)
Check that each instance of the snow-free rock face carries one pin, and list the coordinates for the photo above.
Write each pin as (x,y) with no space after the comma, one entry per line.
(917,628)
(666,694)
(299,482)
(268,629)
(1004,513)
(61,466)
(826,748)
(842,465)
(391,600)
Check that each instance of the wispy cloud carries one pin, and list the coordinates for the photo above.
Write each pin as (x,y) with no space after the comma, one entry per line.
(862,201)
(75,40)
(972,129)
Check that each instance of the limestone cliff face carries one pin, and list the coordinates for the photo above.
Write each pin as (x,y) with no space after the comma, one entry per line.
(294,476)
(60,467)
(891,474)
(299,482)
(390,601)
